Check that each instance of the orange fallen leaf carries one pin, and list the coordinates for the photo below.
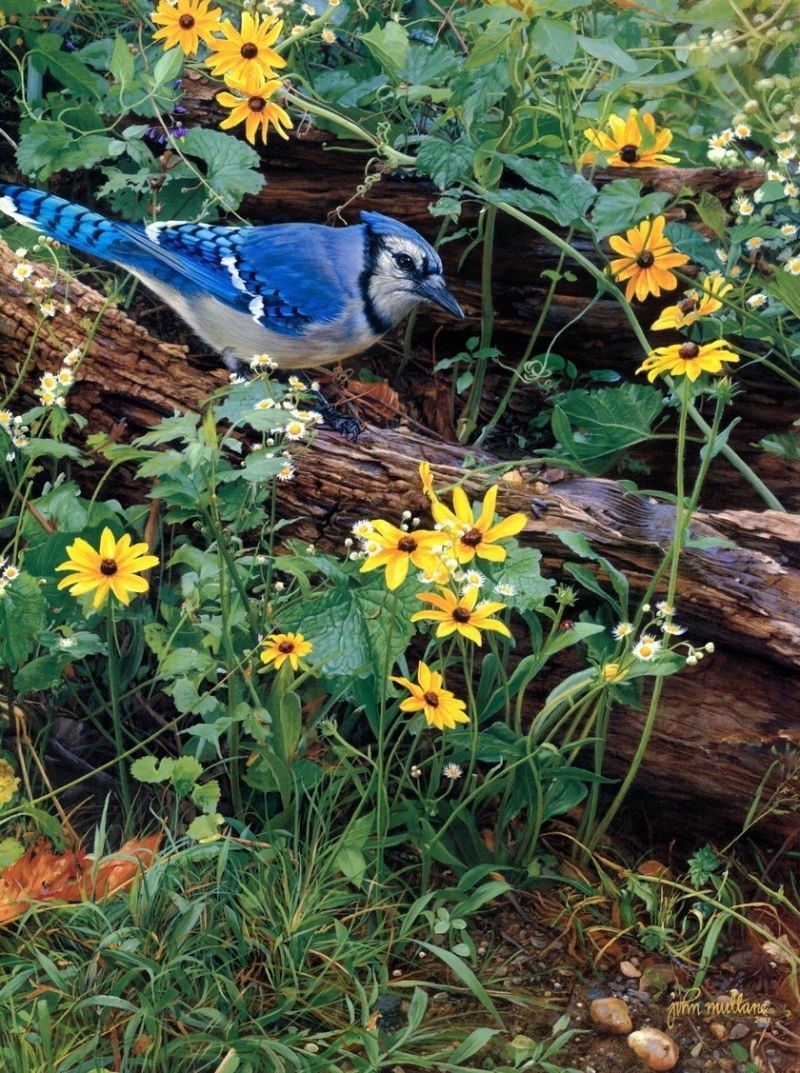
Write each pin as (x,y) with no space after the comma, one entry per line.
(42,875)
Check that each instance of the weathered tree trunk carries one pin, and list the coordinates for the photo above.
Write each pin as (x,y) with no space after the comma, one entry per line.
(718,723)
(306,183)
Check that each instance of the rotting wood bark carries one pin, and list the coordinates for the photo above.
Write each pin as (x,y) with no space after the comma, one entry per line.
(718,722)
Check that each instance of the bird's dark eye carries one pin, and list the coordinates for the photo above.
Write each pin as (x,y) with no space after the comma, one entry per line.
(404,261)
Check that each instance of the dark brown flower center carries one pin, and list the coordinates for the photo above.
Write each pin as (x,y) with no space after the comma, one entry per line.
(256,104)
(460,614)
(108,567)
(286,647)
(473,538)
(688,305)
(249,50)
(431,699)
(645,259)
(407,544)
(629,154)
(688,351)
(186,21)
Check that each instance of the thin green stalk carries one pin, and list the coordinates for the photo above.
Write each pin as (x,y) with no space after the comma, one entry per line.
(469,417)
(116,716)
(682,518)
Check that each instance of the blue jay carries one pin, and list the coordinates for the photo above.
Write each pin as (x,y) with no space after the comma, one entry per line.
(304,294)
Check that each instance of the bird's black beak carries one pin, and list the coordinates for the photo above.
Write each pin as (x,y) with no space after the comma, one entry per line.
(433,289)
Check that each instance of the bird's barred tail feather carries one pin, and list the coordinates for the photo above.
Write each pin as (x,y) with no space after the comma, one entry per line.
(62,220)
(176,253)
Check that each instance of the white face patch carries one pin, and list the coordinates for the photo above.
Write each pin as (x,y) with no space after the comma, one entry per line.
(9,207)
(393,245)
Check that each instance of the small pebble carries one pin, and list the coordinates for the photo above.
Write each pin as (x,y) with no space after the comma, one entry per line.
(718,1030)
(627,968)
(653,1048)
(739,1031)
(611,1015)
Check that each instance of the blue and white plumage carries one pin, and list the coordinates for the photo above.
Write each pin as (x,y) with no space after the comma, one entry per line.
(304,294)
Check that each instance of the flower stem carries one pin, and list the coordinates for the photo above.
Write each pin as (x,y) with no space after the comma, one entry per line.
(116,716)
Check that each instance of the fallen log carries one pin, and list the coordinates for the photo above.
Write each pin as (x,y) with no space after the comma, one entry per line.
(719,724)
(309,177)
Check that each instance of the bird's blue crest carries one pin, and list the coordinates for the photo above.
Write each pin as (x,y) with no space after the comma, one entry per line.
(385,225)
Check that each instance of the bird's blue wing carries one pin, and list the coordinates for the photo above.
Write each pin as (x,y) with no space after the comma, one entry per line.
(287,276)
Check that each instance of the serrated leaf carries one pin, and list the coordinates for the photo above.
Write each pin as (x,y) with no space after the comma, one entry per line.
(619,205)
(22,618)
(232,166)
(594,427)
(206,795)
(150,770)
(444,161)
(185,773)
(42,447)
(522,570)
(47,146)
(561,194)
(203,829)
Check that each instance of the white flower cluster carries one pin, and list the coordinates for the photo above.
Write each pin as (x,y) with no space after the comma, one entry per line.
(16,433)
(9,574)
(53,387)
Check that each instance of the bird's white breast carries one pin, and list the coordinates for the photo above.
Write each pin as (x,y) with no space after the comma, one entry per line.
(238,334)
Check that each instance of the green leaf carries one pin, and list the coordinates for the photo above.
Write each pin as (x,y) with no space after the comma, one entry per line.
(41,447)
(556,40)
(691,242)
(167,69)
(185,773)
(464,973)
(786,288)
(712,212)
(42,673)
(475,1041)
(10,850)
(606,49)
(594,427)
(204,828)
(522,570)
(356,631)
(388,44)
(148,769)
(206,795)
(22,618)
(562,194)
(47,146)
(444,161)
(620,205)
(232,166)
(122,66)
(71,72)
(490,45)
